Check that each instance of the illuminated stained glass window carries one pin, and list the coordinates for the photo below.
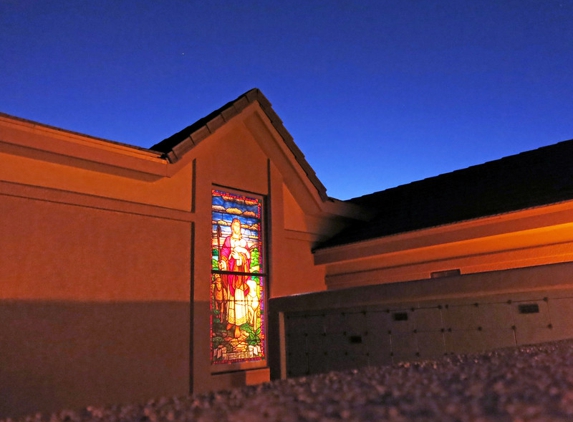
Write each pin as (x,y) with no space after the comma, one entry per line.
(237,279)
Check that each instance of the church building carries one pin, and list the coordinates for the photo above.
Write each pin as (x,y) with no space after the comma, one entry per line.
(215,259)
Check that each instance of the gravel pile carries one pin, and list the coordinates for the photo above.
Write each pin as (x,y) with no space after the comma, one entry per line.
(533,383)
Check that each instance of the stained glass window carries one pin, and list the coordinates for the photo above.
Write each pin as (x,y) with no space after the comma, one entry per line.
(237,279)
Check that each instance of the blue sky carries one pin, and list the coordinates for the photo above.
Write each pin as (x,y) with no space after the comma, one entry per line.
(375,93)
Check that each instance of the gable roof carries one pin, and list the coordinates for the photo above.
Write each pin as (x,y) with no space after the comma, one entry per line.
(533,178)
(174,147)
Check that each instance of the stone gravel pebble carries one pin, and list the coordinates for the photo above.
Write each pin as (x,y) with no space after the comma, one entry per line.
(531,383)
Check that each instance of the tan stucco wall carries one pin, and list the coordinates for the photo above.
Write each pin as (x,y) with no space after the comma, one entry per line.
(94,303)
(299,236)
(96,179)
(105,284)
(303,277)
(37,155)
(57,251)
(70,354)
(234,158)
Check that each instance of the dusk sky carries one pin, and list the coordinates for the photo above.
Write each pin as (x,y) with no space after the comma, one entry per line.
(375,93)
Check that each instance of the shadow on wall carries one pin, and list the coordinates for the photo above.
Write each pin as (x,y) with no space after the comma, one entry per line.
(56,355)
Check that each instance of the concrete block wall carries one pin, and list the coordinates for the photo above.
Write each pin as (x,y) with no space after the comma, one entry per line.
(347,338)
(424,319)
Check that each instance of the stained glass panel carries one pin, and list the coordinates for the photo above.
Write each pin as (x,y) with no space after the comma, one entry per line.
(237,279)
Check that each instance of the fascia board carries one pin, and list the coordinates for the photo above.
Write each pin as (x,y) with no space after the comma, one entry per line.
(44,138)
(294,176)
(498,225)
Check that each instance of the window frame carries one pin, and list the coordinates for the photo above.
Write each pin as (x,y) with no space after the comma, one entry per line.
(262,274)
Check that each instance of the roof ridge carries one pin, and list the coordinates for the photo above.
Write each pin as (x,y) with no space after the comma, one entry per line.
(178,144)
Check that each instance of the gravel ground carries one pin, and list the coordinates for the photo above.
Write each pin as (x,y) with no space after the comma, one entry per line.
(533,383)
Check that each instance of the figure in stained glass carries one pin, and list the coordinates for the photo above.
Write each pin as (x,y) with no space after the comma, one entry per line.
(220,296)
(236,257)
(237,281)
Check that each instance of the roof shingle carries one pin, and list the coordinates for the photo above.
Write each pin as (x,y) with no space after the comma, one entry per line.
(178,144)
(533,178)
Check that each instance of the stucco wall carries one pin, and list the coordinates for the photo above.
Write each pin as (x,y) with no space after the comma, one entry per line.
(94,304)
(69,354)
(105,282)
(235,159)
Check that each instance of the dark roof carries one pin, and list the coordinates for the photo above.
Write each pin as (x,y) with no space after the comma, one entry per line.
(533,178)
(178,144)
